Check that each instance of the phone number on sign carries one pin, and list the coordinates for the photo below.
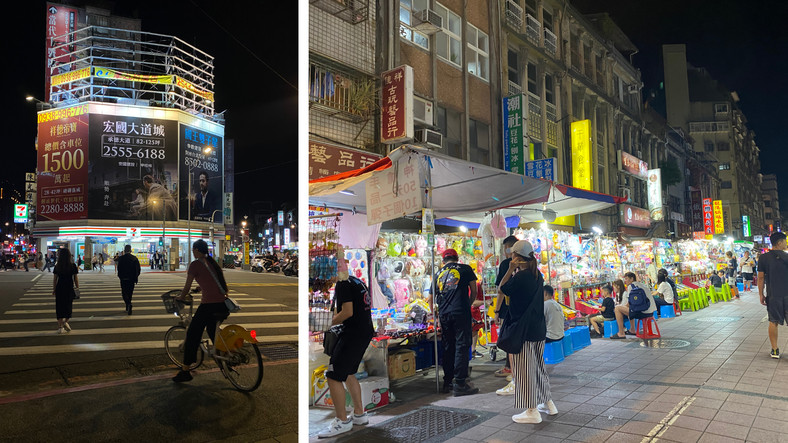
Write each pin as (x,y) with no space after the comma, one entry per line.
(66,207)
(123,152)
(197,163)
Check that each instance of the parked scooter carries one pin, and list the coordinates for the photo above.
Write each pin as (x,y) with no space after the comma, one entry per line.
(290,267)
(269,265)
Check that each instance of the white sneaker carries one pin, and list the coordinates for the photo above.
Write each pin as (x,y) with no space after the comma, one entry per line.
(506,390)
(61,331)
(548,408)
(528,416)
(509,378)
(336,427)
(67,327)
(361,420)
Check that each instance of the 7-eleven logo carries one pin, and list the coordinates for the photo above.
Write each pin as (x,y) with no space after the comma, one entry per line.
(132,232)
(20,211)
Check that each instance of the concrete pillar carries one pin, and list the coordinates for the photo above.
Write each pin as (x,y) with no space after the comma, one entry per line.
(88,258)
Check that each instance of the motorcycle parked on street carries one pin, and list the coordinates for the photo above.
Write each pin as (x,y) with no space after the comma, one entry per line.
(290,267)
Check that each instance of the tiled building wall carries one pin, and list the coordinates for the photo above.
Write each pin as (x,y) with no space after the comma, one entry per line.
(341,131)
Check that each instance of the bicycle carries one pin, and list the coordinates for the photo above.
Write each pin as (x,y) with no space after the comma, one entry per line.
(235,351)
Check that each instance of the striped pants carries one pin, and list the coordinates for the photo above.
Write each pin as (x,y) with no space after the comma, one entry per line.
(531,384)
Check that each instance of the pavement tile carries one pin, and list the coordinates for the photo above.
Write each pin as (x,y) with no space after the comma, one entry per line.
(578,398)
(558,430)
(590,434)
(763,436)
(769,412)
(637,405)
(741,408)
(681,434)
(620,412)
(538,438)
(728,429)
(681,390)
(647,396)
(711,393)
(694,423)
(572,418)
(586,408)
(509,435)
(637,427)
(607,423)
(709,403)
(614,393)
(736,418)
(771,424)
(661,406)
(478,433)
(714,438)
(566,406)
(671,398)
(651,417)
(623,437)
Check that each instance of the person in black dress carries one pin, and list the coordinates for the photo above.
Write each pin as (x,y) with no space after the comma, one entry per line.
(63,288)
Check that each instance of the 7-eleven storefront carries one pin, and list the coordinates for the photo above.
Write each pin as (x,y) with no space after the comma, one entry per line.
(89,241)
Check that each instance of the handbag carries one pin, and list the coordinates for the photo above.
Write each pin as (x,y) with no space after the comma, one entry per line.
(74,293)
(512,333)
(331,338)
(231,304)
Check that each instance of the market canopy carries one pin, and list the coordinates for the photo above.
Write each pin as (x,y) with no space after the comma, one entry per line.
(462,190)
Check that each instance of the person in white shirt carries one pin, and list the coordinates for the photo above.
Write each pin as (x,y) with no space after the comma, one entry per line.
(747,270)
(554,316)
(622,310)
(663,296)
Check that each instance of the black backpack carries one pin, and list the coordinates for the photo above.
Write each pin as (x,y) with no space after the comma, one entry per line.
(638,302)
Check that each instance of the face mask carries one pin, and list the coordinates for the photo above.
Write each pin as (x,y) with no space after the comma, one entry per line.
(508,250)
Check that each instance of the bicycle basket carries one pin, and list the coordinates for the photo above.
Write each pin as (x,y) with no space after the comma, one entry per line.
(171,305)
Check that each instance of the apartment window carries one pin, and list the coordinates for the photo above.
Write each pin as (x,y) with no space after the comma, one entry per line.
(549,89)
(530,7)
(449,123)
(725,166)
(723,146)
(547,21)
(513,60)
(767,203)
(574,47)
(479,142)
(477,53)
(616,87)
(600,71)
(533,86)
(708,146)
(726,184)
(448,39)
(406,10)
(721,108)
(587,61)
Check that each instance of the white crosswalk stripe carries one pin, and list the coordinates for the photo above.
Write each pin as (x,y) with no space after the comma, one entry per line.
(100,323)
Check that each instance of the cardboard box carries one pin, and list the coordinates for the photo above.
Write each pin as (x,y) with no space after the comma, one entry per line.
(374,394)
(402,364)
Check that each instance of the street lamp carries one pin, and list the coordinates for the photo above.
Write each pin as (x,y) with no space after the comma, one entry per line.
(207,150)
(44,105)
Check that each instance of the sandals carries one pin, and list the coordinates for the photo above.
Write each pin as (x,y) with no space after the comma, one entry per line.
(616,337)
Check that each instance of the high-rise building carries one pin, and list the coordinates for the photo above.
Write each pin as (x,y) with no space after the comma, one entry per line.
(772,218)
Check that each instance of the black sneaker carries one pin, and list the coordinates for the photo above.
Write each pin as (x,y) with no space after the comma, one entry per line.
(182,376)
(776,353)
(447,388)
(129,309)
(466,389)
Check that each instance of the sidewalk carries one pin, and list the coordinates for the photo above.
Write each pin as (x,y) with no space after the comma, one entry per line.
(720,385)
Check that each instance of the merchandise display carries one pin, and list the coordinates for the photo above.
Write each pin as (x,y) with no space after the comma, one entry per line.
(693,257)
(666,255)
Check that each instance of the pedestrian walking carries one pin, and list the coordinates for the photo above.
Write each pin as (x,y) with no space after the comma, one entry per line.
(152,260)
(523,285)
(115,261)
(39,260)
(502,308)
(25,260)
(128,273)
(50,260)
(94,262)
(773,286)
(63,288)
(101,261)
(79,262)
(455,289)
(354,311)
(747,269)
(212,308)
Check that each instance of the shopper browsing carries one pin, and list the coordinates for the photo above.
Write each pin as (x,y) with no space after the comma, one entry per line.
(747,269)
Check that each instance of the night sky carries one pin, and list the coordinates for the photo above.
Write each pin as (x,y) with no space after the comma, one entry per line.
(262,108)
(744,45)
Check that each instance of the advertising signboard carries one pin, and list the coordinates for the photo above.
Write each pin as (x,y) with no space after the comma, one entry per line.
(514,131)
(201,154)
(697,210)
(228,208)
(326,159)
(280,217)
(633,165)
(745,223)
(581,154)
(20,213)
(60,21)
(708,218)
(719,222)
(62,166)
(634,216)
(384,202)
(654,185)
(546,168)
(397,105)
(133,168)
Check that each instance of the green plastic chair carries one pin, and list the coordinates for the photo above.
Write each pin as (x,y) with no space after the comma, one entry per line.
(685,301)
(715,296)
(726,292)
(702,298)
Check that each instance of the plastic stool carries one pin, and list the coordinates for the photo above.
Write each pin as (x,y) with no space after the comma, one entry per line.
(740,286)
(655,314)
(567,344)
(553,353)
(645,328)
(611,327)
(677,308)
(667,311)
(581,337)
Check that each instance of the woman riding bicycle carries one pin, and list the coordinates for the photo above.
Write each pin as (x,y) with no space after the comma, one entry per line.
(211,280)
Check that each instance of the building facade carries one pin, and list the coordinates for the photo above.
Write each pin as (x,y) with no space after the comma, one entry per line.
(772,217)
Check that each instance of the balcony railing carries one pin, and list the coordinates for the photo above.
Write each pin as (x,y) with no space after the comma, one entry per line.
(533,29)
(351,11)
(550,42)
(340,94)
(514,88)
(514,15)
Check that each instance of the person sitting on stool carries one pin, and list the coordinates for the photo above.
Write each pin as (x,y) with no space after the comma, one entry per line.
(554,316)
(663,296)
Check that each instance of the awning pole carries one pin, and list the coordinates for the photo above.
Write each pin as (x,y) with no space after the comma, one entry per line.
(428,178)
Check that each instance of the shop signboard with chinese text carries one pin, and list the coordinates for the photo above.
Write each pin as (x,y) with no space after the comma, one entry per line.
(581,154)
(634,216)
(632,165)
(228,208)
(201,152)
(514,130)
(60,21)
(326,159)
(287,236)
(745,224)
(708,218)
(280,217)
(654,185)
(62,166)
(546,168)
(386,201)
(697,210)
(719,222)
(397,105)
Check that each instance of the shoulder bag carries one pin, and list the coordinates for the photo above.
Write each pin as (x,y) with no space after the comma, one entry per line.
(331,337)
(512,333)
(231,304)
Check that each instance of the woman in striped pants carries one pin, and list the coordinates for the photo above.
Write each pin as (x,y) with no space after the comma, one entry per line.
(523,286)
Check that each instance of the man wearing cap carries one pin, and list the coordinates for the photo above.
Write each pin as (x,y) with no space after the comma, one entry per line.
(773,286)
(128,273)
(455,289)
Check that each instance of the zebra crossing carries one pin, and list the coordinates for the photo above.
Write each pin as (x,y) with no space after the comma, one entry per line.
(100,323)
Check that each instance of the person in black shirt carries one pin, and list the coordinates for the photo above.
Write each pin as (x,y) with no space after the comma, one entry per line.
(500,302)
(354,304)
(773,278)
(128,273)
(455,288)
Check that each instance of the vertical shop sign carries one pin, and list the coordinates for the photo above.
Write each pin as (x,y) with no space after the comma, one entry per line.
(397,105)
(708,218)
(654,184)
(393,192)
(546,168)
(581,154)
(228,208)
(60,21)
(745,223)
(280,217)
(62,168)
(719,222)
(697,211)
(20,213)
(514,131)
(287,236)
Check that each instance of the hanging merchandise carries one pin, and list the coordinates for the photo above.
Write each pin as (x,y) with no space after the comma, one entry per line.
(666,255)
(323,269)
(694,257)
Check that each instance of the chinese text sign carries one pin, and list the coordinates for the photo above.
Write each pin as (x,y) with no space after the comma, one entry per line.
(514,133)
(393,192)
(397,105)
(581,154)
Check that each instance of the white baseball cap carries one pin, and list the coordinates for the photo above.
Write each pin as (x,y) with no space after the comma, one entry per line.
(523,247)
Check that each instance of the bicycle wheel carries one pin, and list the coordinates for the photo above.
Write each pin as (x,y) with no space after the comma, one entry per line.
(174,339)
(244,367)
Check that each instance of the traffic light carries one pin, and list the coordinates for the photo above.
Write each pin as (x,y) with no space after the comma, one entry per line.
(161,241)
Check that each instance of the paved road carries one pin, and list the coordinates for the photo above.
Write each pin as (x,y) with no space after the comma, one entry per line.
(114,365)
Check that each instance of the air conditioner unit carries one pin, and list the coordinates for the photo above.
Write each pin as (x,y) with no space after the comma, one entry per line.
(428,137)
(640,155)
(633,89)
(427,21)
(626,193)
(422,111)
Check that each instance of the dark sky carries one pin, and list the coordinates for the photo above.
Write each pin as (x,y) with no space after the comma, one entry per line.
(262,108)
(744,45)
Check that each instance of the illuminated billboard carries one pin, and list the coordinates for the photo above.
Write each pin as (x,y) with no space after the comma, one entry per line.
(581,154)
(719,222)
(201,153)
